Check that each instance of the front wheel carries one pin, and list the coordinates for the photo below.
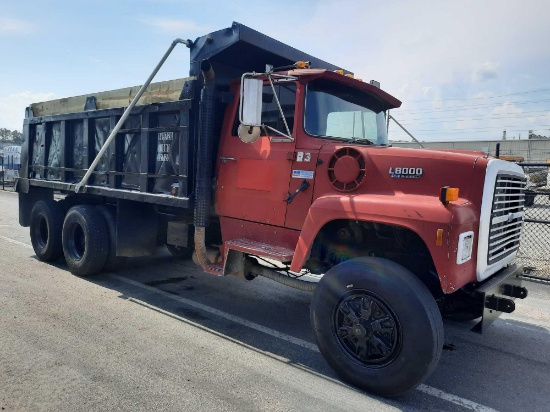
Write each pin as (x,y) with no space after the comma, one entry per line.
(377,325)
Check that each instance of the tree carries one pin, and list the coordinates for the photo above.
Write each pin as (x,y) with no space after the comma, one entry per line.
(5,134)
(17,137)
(10,136)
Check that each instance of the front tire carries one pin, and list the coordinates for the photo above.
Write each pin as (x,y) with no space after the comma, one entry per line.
(377,325)
(85,240)
(45,230)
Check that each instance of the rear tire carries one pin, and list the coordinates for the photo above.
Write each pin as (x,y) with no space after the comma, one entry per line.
(113,261)
(45,230)
(181,252)
(85,240)
(377,325)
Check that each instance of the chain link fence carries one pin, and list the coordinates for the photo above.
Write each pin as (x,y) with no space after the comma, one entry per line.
(534,250)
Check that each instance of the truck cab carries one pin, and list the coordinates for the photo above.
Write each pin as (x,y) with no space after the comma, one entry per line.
(321,170)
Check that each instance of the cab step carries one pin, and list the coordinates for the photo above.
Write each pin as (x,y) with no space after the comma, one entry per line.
(252,247)
(214,268)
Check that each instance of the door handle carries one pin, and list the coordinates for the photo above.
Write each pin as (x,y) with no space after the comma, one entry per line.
(303,186)
(225,159)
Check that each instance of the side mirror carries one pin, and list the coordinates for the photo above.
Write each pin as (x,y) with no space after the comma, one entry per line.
(251,102)
(250,109)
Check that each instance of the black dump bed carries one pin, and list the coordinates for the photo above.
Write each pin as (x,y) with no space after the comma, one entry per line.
(152,156)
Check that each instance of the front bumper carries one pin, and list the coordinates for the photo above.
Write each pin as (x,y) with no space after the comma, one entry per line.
(497,295)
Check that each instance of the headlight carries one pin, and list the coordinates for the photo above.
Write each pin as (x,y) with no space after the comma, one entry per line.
(465,247)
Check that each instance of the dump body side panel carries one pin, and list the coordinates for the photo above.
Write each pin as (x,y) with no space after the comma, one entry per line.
(151,154)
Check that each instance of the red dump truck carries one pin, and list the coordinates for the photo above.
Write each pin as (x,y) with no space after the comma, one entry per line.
(267,154)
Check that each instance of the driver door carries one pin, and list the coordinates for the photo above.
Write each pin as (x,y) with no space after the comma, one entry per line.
(253,178)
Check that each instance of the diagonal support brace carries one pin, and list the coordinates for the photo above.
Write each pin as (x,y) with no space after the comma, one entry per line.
(126,113)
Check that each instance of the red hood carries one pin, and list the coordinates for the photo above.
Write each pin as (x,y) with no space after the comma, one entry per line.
(412,171)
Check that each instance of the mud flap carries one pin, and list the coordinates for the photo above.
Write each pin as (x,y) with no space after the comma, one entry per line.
(498,295)
(136,229)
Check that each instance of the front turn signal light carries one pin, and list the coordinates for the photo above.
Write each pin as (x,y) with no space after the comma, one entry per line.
(439,237)
(448,194)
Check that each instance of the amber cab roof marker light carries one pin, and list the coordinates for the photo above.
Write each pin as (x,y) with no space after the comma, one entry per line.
(302,65)
(297,65)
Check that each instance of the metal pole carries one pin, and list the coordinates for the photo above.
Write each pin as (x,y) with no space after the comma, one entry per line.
(3,173)
(127,113)
(406,131)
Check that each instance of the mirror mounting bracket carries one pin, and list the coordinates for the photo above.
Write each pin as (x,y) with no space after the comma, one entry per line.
(287,137)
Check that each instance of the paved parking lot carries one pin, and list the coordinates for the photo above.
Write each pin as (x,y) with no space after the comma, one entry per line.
(161,335)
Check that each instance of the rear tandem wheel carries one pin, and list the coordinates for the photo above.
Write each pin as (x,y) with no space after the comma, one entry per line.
(85,240)
(114,262)
(45,230)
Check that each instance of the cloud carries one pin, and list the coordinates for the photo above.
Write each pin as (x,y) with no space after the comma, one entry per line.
(12,26)
(422,43)
(178,27)
(486,71)
(12,107)
(94,60)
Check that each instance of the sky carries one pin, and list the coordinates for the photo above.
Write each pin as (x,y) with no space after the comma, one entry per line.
(464,70)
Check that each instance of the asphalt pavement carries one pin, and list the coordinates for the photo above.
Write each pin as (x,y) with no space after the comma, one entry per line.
(159,334)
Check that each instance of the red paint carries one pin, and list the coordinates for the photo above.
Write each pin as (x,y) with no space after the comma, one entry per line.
(254,183)
(236,229)
(346,169)
(296,211)
(251,191)
(265,249)
(256,174)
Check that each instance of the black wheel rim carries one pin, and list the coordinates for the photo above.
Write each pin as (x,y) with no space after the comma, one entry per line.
(77,242)
(367,329)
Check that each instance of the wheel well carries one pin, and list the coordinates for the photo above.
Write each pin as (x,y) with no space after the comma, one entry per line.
(341,240)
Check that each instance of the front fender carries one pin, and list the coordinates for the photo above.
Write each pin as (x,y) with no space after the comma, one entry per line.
(423,215)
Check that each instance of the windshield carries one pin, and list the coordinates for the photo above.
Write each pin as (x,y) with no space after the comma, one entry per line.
(342,112)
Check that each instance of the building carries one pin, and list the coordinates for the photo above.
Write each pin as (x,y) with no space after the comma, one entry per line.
(532,150)
(10,161)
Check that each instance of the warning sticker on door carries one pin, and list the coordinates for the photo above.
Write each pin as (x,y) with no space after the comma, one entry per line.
(302,174)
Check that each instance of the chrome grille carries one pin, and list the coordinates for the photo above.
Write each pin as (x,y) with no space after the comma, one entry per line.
(506,216)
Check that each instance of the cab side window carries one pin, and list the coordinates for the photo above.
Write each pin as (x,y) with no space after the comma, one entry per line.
(271,115)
